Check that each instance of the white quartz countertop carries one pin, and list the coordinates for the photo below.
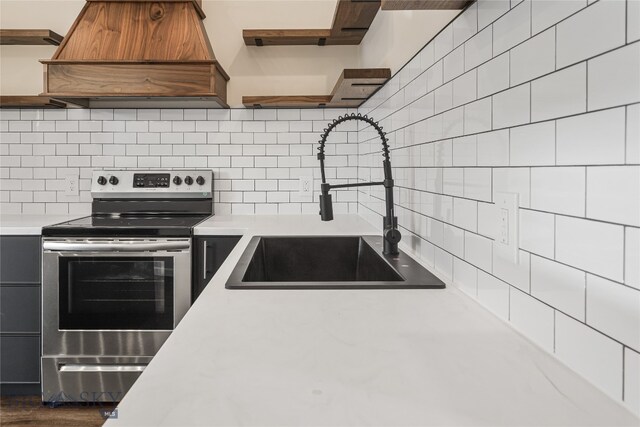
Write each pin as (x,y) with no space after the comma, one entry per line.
(351,357)
(22,225)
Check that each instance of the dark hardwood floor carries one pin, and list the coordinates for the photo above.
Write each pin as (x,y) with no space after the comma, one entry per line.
(29,411)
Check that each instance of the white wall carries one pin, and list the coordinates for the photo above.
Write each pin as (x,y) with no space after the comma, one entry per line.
(280,70)
(538,98)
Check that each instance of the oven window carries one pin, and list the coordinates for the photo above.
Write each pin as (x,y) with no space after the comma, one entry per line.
(116,293)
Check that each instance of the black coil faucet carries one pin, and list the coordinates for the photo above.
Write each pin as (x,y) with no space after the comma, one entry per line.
(390,233)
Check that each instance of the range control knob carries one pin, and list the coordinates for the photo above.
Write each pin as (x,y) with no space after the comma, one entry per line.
(113,180)
(188,180)
(102,180)
(200,180)
(177,180)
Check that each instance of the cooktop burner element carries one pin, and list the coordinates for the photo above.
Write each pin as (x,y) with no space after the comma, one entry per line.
(141,203)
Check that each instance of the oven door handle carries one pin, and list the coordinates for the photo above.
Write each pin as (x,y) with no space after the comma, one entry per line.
(114,247)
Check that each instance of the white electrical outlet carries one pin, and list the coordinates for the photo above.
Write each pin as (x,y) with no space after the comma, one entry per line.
(71,185)
(305,189)
(506,242)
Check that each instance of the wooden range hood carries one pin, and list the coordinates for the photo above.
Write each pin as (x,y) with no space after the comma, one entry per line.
(138,54)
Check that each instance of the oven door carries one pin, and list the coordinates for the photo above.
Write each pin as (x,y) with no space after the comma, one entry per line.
(113,296)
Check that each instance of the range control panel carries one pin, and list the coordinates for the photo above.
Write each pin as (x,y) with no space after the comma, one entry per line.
(151,180)
(136,183)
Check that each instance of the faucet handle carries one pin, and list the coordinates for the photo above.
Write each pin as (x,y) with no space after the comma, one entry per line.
(392,235)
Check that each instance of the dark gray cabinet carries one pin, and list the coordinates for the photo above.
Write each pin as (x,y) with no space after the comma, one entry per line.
(209,252)
(20,308)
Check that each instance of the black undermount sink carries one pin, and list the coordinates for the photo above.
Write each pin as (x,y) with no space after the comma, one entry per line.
(335,262)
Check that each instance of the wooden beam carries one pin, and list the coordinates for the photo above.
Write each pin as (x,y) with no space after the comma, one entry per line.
(30,37)
(425,4)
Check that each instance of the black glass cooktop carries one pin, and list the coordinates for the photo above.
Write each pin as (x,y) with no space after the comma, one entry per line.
(126,225)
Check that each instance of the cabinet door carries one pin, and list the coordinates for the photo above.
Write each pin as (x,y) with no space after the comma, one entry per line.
(210,253)
(20,309)
(20,259)
(20,359)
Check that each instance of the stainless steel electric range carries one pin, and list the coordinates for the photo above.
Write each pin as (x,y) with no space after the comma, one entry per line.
(116,283)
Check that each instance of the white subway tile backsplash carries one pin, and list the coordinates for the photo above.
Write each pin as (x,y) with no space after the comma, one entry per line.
(592,246)
(537,232)
(513,180)
(453,240)
(493,148)
(533,318)
(477,116)
(513,28)
(577,39)
(465,276)
(493,76)
(465,26)
(559,94)
(464,151)
(512,107)
(613,194)
(478,49)
(595,138)
(547,13)
(465,214)
(464,88)
(632,257)
(591,354)
(453,181)
(633,26)
(559,286)
(614,309)
(632,380)
(477,183)
(559,190)
(493,294)
(613,78)
(453,64)
(477,250)
(489,11)
(534,57)
(633,134)
(533,144)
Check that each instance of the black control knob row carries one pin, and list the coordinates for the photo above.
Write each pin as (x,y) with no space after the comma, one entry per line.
(200,180)
(177,180)
(113,180)
(102,180)
(188,180)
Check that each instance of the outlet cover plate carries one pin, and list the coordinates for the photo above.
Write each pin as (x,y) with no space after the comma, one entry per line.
(507,227)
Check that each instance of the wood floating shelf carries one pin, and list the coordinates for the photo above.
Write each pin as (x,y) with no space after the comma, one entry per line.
(37,101)
(354,86)
(30,37)
(425,4)
(351,21)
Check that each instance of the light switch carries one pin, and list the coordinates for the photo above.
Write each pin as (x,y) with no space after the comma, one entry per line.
(506,241)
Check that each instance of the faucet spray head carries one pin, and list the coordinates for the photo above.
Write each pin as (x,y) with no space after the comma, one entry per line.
(326,206)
